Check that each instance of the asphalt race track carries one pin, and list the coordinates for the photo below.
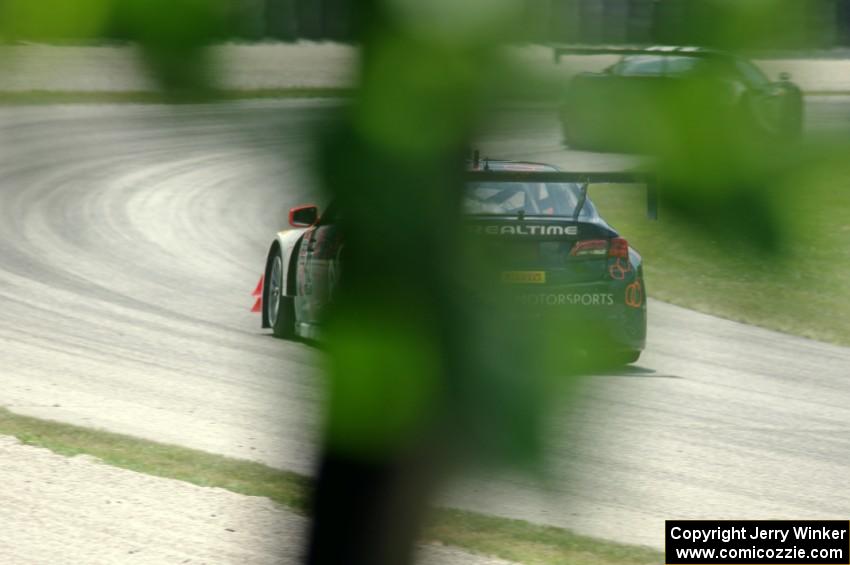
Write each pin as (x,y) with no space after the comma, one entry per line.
(132,236)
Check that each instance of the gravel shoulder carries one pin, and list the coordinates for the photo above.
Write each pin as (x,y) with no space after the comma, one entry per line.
(98,514)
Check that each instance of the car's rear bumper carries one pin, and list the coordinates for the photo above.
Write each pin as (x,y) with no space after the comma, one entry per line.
(612,313)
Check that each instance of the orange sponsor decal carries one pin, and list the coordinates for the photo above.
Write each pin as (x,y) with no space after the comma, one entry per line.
(634,295)
(524,277)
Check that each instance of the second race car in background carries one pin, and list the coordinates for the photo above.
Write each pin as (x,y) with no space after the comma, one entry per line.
(655,92)
(556,256)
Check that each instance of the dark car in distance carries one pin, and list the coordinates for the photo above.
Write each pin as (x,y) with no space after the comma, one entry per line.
(675,94)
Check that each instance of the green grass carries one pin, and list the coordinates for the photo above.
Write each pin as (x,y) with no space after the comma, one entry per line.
(33,97)
(803,289)
(532,544)
(517,94)
(514,540)
(193,466)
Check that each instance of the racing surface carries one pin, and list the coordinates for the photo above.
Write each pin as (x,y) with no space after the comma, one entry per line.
(132,236)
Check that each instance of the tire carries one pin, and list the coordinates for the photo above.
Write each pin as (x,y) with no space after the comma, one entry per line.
(572,134)
(629,357)
(567,137)
(793,118)
(279,308)
(749,127)
(787,130)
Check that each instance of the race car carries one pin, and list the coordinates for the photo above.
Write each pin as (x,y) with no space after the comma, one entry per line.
(556,256)
(679,92)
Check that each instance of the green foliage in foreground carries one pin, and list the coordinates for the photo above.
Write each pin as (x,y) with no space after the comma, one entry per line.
(514,540)
(804,289)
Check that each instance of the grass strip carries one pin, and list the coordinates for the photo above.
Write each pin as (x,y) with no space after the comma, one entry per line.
(803,290)
(514,540)
(47,97)
(159,459)
(532,544)
(43,97)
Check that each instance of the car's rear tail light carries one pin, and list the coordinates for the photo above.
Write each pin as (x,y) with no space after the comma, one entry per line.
(590,248)
(616,247)
(619,248)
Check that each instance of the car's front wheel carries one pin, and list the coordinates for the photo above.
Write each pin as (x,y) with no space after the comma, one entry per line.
(280,309)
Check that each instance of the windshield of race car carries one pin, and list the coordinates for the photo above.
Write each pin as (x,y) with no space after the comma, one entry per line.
(526,198)
(680,65)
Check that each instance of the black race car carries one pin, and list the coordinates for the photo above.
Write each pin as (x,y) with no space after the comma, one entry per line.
(677,93)
(556,256)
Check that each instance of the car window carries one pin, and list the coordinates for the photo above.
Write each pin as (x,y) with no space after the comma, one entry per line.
(640,65)
(532,198)
(751,73)
(681,65)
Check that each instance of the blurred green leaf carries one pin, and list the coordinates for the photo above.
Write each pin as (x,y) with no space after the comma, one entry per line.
(173,35)
(384,376)
(54,19)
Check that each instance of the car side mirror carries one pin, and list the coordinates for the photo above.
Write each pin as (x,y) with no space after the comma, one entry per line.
(303,216)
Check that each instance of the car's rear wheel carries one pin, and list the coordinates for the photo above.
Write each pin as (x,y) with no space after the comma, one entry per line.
(567,137)
(280,309)
(628,357)
(574,133)
(793,117)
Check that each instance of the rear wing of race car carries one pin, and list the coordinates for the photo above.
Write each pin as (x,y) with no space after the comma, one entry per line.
(647,179)
(561,49)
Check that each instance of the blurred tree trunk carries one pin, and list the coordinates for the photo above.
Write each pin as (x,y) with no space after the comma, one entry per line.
(338,20)
(615,17)
(250,19)
(822,26)
(536,19)
(565,24)
(387,334)
(842,15)
(639,26)
(281,19)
